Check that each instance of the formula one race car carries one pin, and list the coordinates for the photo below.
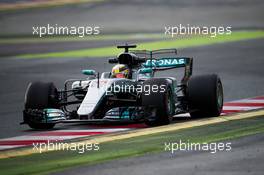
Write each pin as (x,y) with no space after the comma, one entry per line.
(131,91)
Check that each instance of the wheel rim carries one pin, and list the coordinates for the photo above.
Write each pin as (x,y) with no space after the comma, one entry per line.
(219,95)
(169,104)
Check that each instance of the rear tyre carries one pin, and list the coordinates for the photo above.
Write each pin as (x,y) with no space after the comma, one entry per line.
(159,106)
(39,96)
(205,96)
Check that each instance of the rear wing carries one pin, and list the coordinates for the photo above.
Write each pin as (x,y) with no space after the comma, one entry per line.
(159,63)
(164,63)
(172,63)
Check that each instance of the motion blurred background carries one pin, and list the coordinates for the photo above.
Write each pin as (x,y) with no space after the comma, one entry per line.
(238,58)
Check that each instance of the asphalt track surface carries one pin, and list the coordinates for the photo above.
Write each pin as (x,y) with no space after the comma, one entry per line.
(7,50)
(245,157)
(118,16)
(239,64)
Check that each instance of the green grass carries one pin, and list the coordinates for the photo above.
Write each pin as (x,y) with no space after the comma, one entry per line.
(175,43)
(49,39)
(56,161)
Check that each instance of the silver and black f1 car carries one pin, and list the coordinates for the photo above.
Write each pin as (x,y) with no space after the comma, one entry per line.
(142,96)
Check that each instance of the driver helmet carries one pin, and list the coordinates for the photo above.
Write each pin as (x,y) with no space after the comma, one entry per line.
(120,71)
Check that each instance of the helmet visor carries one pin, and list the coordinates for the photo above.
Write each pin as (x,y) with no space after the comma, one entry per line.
(120,75)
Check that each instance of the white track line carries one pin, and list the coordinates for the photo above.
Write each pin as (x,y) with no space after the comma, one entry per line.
(61,135)
(92,130)
(29,137)
(249,101)
(8,147)
(241,108)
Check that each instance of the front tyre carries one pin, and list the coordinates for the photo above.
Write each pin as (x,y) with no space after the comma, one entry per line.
(205,96)
(40,95)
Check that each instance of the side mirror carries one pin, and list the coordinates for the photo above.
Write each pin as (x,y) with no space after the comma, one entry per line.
(145,70)
(88,72)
